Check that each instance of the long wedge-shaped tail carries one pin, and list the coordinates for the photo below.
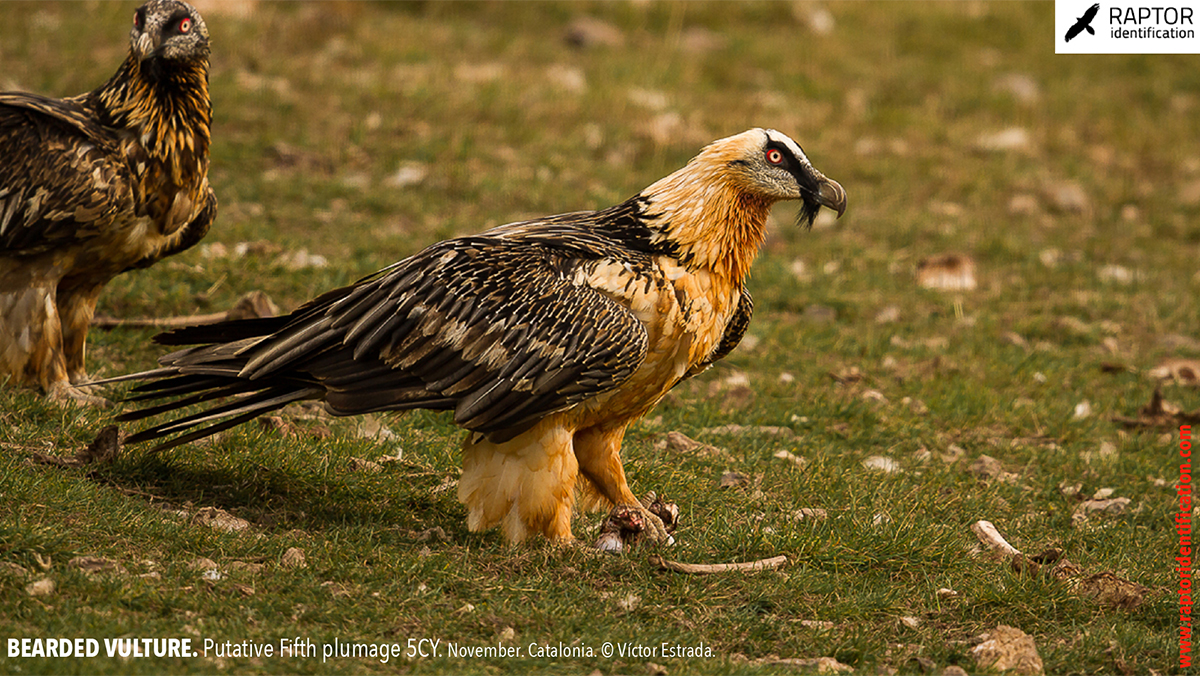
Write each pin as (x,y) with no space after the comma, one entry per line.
(203,375)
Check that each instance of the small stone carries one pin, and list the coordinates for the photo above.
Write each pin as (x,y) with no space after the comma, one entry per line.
(1008,649)
(42,587)
(879,463)
(293,558)
(1012,138)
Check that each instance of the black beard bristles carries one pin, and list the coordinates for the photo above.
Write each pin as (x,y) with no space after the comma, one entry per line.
(807,214)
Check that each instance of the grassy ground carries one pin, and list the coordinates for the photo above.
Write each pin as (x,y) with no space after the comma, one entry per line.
(362,132)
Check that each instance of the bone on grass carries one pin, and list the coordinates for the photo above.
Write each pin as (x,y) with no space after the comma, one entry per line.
(989,536)
(625,525)
(1105,587)
(711,568)
(104,449)
(250,306)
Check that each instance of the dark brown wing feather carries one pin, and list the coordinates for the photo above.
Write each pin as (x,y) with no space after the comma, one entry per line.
(490,326)
(60,174)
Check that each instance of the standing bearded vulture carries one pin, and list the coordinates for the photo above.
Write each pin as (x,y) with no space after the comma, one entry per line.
(97,184)
(547,338)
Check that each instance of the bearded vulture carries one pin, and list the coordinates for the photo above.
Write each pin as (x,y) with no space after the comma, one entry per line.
(97,184)
(546,338)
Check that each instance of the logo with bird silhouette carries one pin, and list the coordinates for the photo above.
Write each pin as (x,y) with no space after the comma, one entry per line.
(1084,23)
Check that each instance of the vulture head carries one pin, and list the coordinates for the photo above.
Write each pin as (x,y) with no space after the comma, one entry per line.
(168,31)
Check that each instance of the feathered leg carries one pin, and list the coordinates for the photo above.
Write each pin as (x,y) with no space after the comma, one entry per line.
(525,485)
(31,339)
(76,307)
(598,450)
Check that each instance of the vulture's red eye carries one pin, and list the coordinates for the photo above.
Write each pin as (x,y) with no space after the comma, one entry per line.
(774,156)
(185,25)
(137,19)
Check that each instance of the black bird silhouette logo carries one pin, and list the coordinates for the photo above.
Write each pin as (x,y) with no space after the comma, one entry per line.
(1084,22)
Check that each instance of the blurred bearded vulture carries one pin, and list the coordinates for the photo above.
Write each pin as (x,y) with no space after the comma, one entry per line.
(546,338)
(97,184)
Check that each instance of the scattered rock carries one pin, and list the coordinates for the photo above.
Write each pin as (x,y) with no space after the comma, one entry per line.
(847,376)
(1117,274)
(792,458)
(369,427)
(436,533)
(480,72)
(1068,197)
(1181,371)
(880,463)
(1110,590)
(96,564)
(369,466)
(407,174)
(800,271)
(821,665)
(1008,649)
(243,589)
(682,443)
(1087,509)
(293,558)
(245,567)
(809,514)
(202,564)
(820,314)
(874,396)
(765,430)
(287,428)
(1022,87)
(571,79)
(887,315)
(818,19)
(1069,490)
(947,272)
(9,568)
(700,40)
(1189,193)
(986,467)
(629,602)
(816,624)
(586,32)
(953,453)
(301,259)
(1023,204)
(733,479)
(338,589)
(42,587)
(1006,140)
(219,519)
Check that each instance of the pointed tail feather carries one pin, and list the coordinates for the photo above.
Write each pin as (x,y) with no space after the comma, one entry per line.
(237,412)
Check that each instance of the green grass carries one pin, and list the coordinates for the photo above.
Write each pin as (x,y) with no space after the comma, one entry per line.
(318,105)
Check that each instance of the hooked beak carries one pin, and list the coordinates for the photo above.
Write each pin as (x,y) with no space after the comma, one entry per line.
(831,194)
(145,46)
